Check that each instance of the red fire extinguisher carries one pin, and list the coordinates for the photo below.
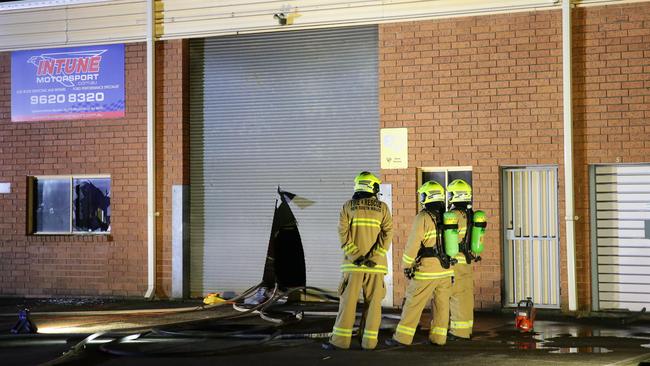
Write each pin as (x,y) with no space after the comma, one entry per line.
(525,315)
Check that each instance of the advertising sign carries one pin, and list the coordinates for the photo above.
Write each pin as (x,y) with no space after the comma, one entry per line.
(67,83)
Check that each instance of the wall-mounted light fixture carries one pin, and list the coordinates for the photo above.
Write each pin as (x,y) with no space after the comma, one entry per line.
(286,18)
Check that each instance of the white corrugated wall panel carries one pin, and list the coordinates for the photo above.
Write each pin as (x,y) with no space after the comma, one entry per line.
(192,18)
(623,251)
(622,220)
(67,25)
(620,224)
(28,16)
(200,18)
(640,179)
(623,278)
(294,109)
(619,270)
(624,197)
(622,242)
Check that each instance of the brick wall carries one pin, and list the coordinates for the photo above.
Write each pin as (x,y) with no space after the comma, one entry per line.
(172,146)
(114,265)
(611,70)
(478,91)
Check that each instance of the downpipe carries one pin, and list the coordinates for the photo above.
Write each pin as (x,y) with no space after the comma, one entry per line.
(151,161)
(568,155)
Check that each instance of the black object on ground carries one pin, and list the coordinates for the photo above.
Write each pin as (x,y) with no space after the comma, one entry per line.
(24,324)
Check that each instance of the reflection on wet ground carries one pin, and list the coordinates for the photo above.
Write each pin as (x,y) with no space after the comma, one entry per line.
(581,350)
(495,341)
(556,337)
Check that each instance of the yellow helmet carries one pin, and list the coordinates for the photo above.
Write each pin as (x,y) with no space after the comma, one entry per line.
(460,191)
(431,191)
(366,182)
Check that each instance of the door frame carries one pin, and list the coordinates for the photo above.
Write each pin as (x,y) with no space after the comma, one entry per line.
(593,223)
(386,196)
(504,228)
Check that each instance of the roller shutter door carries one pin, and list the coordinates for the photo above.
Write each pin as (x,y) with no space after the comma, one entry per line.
(621,228)
(297,110)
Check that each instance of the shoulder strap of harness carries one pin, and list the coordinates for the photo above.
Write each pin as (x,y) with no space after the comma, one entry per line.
(465,246)
(436,250)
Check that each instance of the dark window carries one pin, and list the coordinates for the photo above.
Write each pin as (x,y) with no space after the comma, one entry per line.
(465,175)
(445,176)
(434,176)
(70,205)
(91,202)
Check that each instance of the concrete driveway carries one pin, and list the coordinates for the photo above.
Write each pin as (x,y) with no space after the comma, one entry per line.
(203,337)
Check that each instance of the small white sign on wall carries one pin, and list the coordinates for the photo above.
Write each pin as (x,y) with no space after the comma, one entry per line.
(5,187)
(394,148)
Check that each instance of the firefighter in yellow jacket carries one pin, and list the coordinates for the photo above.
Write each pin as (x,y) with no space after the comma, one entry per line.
(471,226)
(365,233)
(429,268)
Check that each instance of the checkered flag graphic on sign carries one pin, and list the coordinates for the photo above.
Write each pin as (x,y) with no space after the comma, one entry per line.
(115,106)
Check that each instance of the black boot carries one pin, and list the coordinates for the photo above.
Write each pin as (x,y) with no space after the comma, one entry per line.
(392,342)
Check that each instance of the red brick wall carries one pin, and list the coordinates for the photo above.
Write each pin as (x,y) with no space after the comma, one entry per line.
(611,71)
(478,91)
(114,265)
(172,146)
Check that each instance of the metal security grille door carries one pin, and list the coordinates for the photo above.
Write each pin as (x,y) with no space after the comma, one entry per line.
(531,253)
(620,212)
(294,109)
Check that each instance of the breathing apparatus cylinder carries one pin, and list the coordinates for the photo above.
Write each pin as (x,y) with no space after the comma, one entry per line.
(450,233)
(478,231)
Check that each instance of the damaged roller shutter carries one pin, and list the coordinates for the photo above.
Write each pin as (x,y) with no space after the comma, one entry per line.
(297,110)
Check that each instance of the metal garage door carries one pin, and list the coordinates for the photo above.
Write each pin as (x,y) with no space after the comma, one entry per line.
(297,110)
(620,214)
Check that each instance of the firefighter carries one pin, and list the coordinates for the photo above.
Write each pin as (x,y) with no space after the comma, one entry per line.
(429,267)
(470,225)
(365,233)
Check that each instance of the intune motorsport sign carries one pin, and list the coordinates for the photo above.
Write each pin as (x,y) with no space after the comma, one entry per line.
(67,83)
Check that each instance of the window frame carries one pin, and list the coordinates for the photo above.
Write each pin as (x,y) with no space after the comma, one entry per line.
(32,179)
(446,170)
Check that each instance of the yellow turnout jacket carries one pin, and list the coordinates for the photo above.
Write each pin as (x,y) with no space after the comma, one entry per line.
(362,223)
(424,233)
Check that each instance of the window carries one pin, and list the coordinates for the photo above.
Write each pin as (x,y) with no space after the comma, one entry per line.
(70,205)
(446,175)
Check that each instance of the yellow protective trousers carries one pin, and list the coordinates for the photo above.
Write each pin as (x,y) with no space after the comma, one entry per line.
(418,294)
(374,291)
(461,302)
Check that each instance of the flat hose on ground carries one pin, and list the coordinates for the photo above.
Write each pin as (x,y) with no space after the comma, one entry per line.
(79,347)
(259,334)
(138,311)
(248,334)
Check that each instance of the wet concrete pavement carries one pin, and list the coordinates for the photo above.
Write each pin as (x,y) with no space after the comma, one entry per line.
(557,340)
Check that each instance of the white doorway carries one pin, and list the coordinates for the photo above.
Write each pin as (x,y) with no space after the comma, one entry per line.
(531,240)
